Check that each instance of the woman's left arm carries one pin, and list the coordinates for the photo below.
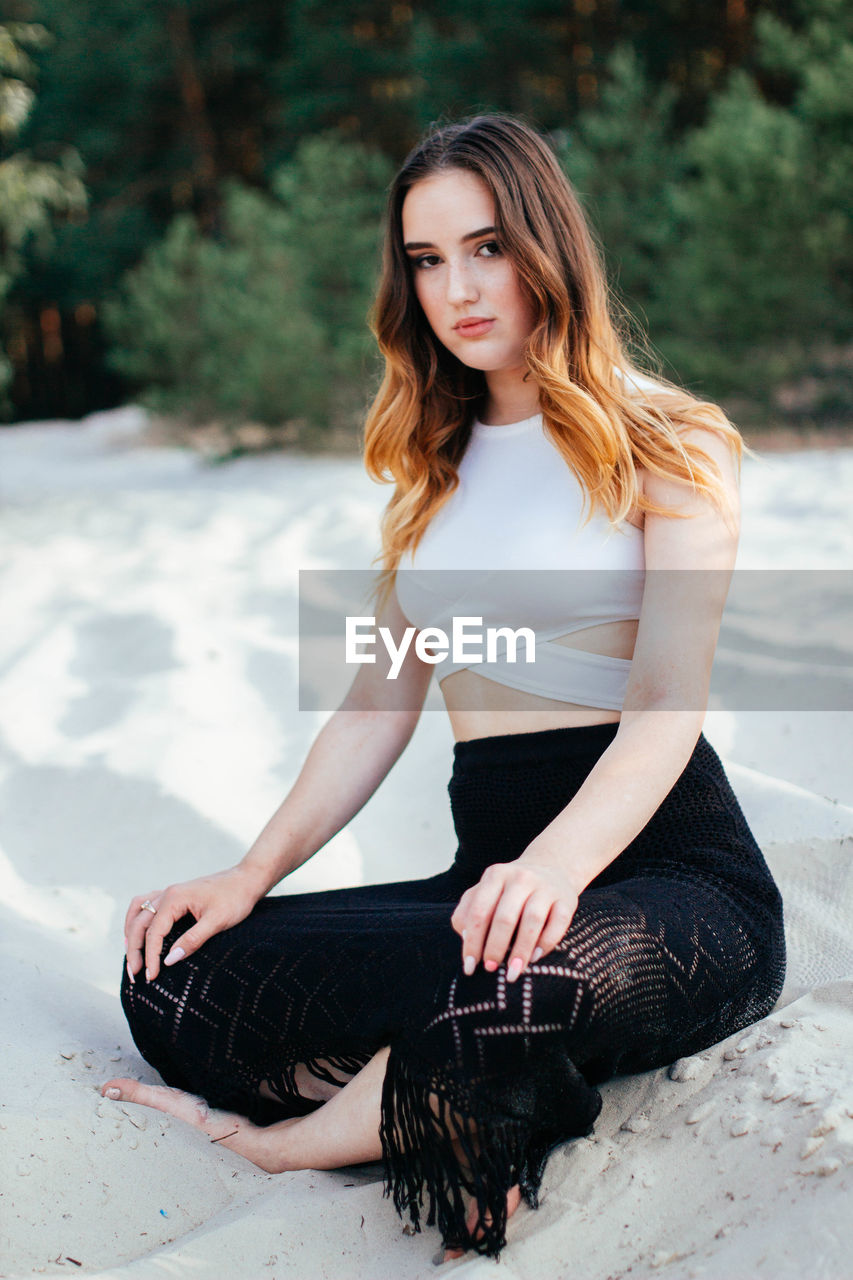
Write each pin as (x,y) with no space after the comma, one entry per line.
(689,563)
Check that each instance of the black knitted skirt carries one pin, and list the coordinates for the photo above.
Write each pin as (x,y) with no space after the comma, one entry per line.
(677,944)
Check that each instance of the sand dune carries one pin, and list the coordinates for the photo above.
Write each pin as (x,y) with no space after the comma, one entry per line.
(149,726)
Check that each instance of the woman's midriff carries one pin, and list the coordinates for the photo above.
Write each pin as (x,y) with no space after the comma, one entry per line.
(481,708)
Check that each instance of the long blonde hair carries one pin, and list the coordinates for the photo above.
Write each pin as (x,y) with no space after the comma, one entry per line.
(419,423)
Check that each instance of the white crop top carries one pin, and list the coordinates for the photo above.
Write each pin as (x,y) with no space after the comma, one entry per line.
(508,547)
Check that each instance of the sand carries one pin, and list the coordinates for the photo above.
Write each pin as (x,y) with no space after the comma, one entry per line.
(148,728)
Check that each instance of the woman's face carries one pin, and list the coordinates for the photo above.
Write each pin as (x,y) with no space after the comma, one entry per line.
(461,274)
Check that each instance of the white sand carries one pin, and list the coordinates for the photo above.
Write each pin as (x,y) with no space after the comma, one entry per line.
(148,728)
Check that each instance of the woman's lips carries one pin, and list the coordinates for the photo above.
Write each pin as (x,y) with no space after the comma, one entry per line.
(474,329)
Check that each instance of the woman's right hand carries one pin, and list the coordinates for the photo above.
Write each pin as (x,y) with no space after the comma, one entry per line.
(217,901)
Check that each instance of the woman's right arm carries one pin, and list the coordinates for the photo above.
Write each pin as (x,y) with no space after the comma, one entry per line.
(349,758)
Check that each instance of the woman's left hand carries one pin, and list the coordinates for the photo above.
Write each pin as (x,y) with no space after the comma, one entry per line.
(532,902)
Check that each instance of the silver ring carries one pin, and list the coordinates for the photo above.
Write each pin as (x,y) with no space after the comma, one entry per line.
(148,905)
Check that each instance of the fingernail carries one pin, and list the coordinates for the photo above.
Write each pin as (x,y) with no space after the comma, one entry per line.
(537,954)
(147,976)
(514,969)
(469,964)
(177,953)
(113,1093)
(130,973)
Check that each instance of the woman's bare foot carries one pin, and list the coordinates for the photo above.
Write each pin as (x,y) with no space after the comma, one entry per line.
(344,1130)
(513,1200)
(263,1146)
(442,1109)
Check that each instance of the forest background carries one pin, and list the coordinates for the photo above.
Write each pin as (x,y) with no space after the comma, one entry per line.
(191,193)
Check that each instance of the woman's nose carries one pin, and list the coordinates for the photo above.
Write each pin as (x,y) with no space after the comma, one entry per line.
(461,286)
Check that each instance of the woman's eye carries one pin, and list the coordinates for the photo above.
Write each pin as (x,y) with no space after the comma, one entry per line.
(426,260)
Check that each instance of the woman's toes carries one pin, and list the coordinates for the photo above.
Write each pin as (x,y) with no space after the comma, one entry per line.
(117,1087)
(513,1200)
(174,1102)
(262,1146)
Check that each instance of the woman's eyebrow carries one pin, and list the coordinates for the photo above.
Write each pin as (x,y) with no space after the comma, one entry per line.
(471,235)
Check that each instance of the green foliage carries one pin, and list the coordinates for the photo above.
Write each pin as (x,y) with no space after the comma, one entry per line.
(763,283)
(111,85)
(750,284)
(267,323)
(711,146)
(627,165)
(333,194)
(821,63)
(32,192)
(733,240)
(215,329)
(231,90)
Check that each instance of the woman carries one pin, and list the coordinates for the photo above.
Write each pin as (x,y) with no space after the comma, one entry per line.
(608,909)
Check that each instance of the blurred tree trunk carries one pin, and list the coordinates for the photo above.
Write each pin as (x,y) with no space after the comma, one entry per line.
(201,134)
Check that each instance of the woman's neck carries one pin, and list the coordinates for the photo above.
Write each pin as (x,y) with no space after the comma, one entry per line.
(509,398)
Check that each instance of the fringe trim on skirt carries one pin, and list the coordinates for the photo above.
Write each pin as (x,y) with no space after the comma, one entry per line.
(482,1142)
